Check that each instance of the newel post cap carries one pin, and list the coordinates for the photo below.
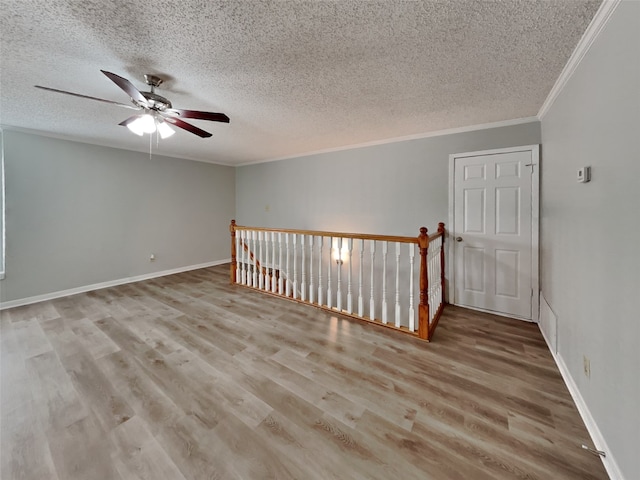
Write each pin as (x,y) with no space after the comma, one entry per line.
(423,238)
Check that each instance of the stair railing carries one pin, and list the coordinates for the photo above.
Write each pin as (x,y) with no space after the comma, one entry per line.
(363,276)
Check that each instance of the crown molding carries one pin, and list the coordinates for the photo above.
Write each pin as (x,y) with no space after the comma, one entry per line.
(417,136)
(591,33)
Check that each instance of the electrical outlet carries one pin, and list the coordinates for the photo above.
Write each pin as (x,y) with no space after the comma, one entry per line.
(586,364)
(584,175)
(152,257)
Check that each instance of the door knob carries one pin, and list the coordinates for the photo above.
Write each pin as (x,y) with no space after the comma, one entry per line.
(458,239)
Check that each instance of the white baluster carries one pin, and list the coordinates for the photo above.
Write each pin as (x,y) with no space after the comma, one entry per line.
(349,294)
(412,313)
(281,275)
(320,290)
(429,280)
(384,281)
(254,278)
(329,296)
(339,268)
(295,266)
(432,280)
(274,282)
(360,299)
(312,288)
(439,272)
(265,264)
(241,257)
(260,261)
(303,281)
(397,285)
(287,276)
(246,276)
(435,279)
(247,247)
(238,256)
(372,303)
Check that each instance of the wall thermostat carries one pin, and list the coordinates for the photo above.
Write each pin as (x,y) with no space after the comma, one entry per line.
(584,174)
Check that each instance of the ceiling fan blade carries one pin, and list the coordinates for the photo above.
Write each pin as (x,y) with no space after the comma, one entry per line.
(126,122)
(127,86)
(87,96)
(214,117)
(186,126)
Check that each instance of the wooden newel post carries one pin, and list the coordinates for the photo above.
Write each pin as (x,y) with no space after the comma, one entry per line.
(423,308)
(232,229)
(441,230)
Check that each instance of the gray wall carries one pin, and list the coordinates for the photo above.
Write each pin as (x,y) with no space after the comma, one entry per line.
(590,269)
(1,205)
(391,189)
(80,214)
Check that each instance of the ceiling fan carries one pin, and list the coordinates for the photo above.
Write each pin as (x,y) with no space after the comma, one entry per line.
(157,111)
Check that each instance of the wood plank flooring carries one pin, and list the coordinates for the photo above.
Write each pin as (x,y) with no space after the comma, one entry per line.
(188,377)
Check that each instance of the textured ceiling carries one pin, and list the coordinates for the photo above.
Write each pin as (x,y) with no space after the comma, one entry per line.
(293,76)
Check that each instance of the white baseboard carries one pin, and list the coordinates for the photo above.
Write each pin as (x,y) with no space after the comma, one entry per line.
(548,324)
(599,442)
(111,283)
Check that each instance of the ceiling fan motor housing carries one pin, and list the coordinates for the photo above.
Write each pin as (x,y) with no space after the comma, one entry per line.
(156,102)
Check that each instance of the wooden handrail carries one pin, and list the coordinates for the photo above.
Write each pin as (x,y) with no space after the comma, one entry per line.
(427,320)
(320,233)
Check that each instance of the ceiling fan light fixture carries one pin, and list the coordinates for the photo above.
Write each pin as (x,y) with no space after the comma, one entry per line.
(147,123)
(143,124)
(164,130)
(136,127)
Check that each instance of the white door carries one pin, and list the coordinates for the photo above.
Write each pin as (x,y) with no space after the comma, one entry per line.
(494,238)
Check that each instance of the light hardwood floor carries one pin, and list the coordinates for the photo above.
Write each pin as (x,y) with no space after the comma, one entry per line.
(187,377)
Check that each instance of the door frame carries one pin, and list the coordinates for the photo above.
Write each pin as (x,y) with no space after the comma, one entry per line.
(535,225)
